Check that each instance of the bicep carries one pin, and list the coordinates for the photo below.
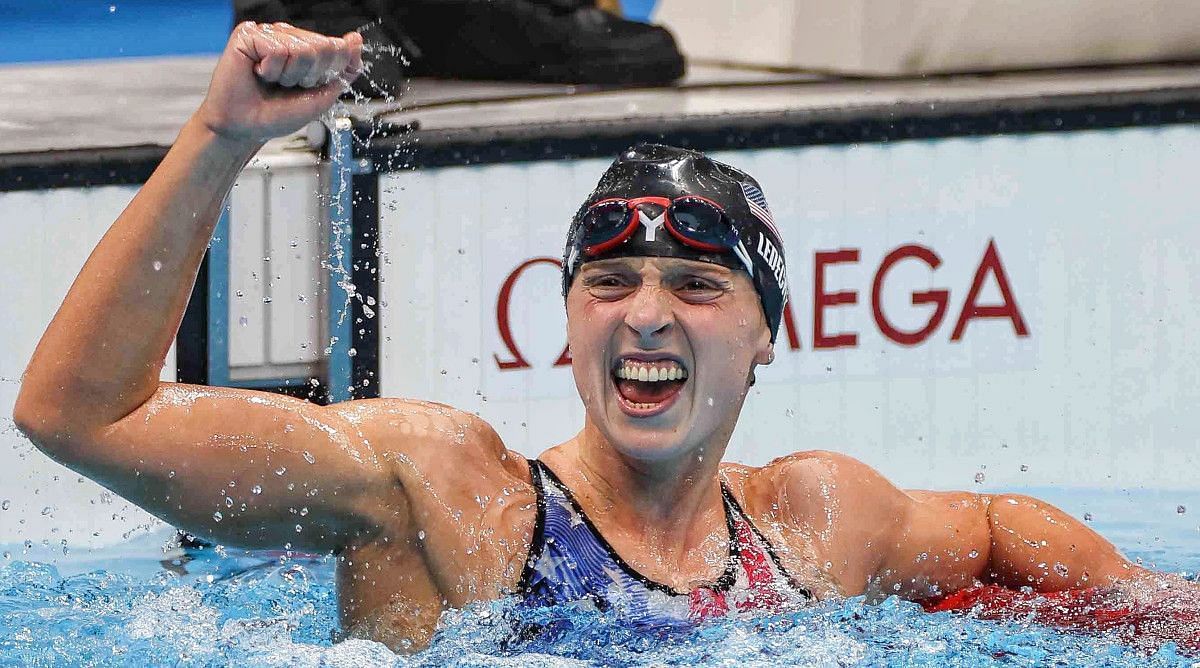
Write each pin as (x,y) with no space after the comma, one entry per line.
(1036,545)
(242,467)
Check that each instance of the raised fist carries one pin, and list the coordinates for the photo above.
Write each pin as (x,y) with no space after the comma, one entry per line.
(274,78)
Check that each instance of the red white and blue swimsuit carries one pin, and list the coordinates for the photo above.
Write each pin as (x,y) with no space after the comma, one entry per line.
(570,561)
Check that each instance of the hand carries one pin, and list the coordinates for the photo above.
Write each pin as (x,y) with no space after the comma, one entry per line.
(272,79)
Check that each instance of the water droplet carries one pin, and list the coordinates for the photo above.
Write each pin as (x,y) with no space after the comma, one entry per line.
(1087,517)
(243,321)
(281,470)
(228,502)
(1061,569)
(170,474)
(973,554)
(299,528)
(5,505)
(1181,509)
(308,457)
(240,293)
(217,516)
(157,265)
(47,510)
(266,300)
(979,478)
(257,489)
(304,511)
(112,9)
(1024,468)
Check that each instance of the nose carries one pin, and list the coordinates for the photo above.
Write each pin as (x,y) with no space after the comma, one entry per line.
(650,315)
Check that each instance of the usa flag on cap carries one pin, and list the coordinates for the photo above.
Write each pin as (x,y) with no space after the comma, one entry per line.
(758,206)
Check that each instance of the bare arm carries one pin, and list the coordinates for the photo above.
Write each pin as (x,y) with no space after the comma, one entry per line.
(918,544)
(91,397)
(1010,540)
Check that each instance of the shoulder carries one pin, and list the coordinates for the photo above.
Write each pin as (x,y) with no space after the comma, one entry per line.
(418,435)
(806,485)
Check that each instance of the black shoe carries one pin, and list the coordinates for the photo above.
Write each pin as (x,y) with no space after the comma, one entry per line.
(386,50)
(555,41)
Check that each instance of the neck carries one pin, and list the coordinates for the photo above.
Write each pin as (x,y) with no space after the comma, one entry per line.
(670,492)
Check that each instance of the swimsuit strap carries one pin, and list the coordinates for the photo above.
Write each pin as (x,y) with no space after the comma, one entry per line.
(561,518)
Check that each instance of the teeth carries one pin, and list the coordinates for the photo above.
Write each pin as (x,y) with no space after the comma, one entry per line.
(648,372)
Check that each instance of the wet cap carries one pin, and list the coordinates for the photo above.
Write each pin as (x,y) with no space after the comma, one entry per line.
(655,170)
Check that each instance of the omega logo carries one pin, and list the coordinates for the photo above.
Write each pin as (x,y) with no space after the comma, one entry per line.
(990,268)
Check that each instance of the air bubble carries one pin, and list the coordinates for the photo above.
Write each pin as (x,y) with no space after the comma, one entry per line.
(1024,468)
(5,505)
(979,478)
(1087,517)
(299,528)
(308,457)
(281,470)
(157,265)
(257,489)
(1181,509)
(973,554)
(217,516)
(421,535)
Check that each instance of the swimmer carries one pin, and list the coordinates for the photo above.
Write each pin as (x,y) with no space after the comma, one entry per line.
(674,286)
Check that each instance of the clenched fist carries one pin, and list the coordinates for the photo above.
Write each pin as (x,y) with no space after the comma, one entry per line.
(274,78)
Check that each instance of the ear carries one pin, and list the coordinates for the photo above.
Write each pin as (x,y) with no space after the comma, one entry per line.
(766,351)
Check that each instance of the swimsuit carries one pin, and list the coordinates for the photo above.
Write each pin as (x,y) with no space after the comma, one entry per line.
(570,561)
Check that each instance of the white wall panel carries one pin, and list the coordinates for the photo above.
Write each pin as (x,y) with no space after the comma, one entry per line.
(294,272)
(276,282)
(48,237)
(248,206)
(1095,232)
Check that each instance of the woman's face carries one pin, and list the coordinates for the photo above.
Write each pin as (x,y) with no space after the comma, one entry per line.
(662,350)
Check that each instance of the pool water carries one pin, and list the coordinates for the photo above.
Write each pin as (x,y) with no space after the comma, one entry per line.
(138,605)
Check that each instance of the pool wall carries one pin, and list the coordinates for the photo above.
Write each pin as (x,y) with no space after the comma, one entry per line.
(48,236)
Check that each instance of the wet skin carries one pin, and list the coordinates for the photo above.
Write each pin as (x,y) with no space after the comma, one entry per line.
(424,505)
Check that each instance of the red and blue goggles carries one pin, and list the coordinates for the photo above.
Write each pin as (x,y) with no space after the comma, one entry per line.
(696,222)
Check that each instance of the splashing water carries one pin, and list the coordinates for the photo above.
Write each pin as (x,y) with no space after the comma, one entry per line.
(229,607)
(241,611)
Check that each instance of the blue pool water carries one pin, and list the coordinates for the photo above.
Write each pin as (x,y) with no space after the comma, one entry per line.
(129,606)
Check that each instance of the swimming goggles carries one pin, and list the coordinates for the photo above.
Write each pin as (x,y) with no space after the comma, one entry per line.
(694,221)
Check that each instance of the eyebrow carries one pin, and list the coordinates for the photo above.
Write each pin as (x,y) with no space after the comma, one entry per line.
(607,265)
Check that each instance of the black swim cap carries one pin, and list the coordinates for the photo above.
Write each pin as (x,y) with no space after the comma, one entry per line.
(654,170)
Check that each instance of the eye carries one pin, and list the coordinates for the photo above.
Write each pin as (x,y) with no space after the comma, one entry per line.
(697,289)
(609,286)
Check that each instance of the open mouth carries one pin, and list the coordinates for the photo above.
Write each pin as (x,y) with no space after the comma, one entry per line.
(648,387)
